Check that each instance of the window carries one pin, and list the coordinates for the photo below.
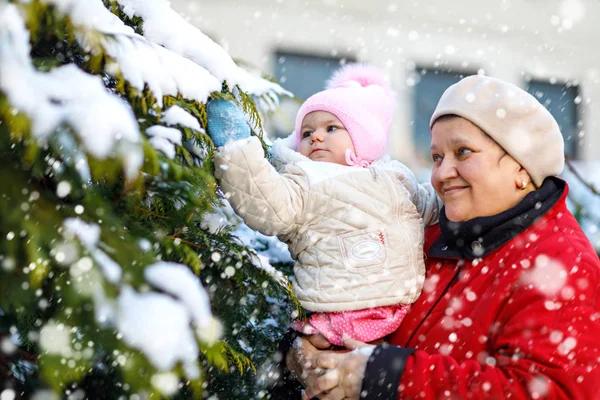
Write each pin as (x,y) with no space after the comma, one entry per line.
(561,100)
(429,87)
(303,75)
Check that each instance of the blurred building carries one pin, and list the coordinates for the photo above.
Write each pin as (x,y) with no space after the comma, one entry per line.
(548,47)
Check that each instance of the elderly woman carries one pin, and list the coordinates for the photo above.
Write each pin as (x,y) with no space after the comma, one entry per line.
(511,305)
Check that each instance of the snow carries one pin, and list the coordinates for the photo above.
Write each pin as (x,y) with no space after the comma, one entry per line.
(7,346)
(181,66)
(164,26)
(105,310)
(140,61)
(92,14)
(538,387)
(548,276)
(571,11)
(176,115)
(213,222)
(89,235)
(166,382)
(211,333)
(44,394)
(171,134)
(68,96)
(179,281)
(55,338)
(64,96)
(111,270)
(269,247)
(7,394)
(163,145)
(262,262)
(165,326)
(63,189)
(165,72)
(159,326)
(164,139)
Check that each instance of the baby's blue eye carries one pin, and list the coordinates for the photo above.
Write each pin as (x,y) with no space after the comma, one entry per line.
(331,128)
(306,134)
(436,158)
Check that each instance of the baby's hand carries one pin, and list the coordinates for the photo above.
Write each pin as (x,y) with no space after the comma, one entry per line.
(226,122)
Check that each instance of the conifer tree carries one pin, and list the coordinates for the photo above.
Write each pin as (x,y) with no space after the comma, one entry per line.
(115,281)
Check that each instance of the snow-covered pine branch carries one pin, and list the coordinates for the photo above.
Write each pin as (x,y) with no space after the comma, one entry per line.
(105,187)
(65,96)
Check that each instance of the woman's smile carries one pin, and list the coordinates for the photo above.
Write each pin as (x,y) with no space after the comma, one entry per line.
(452,190)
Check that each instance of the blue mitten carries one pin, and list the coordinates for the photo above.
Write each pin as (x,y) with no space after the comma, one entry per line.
(226,122)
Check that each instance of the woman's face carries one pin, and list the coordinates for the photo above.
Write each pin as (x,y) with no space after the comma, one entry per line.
(473,175)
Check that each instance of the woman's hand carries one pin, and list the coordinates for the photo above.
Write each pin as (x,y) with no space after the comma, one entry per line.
(336,375)
(299,358)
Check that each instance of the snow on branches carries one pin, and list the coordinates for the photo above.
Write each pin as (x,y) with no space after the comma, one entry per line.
(106,184)
(65,95)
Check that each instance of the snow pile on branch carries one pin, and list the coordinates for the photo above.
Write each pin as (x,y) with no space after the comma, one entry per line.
(179,281)
(92,14)
(164,326)
(89,235)
(190,63)
(164,139)
(164,26)
(139,60)
(160,324)
(165,72)
(262,262)
(176,115)
(65,96)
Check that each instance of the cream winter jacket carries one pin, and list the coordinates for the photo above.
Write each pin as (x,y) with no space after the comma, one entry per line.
(356,233)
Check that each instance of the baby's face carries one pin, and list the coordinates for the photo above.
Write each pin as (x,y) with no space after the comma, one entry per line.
(324,138)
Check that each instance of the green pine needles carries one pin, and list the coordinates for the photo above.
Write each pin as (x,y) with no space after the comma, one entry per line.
(90,239)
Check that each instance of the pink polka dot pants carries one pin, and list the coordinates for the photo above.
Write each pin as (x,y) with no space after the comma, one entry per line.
(364,325)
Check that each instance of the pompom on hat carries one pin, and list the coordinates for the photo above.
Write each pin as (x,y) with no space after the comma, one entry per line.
(360,97)
(515,119)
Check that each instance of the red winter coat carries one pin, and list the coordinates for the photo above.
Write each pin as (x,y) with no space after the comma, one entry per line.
(523,322)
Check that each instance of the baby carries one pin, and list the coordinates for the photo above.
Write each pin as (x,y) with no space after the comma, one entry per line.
(352,218)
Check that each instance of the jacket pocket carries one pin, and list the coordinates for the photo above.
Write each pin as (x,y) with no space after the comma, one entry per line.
(363,250)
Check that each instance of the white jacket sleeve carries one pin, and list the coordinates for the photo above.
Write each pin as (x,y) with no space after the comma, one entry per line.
(266,200)
(428,203)
(423,195)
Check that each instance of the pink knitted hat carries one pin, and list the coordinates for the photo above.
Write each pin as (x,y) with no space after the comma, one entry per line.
(362,100)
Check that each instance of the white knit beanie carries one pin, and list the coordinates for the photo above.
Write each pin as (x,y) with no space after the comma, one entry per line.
(515,119)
